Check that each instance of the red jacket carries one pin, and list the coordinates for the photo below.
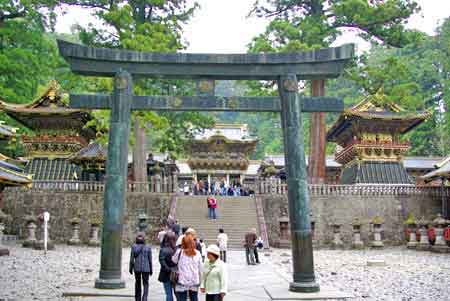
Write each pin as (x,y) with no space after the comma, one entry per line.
(212,203)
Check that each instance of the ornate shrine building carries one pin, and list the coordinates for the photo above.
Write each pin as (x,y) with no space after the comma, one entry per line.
(370,148)
(10,173)
(58,133)
(221,153)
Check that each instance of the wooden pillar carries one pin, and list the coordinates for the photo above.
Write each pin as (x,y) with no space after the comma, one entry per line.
(317,150)
(116,181)
(298,196)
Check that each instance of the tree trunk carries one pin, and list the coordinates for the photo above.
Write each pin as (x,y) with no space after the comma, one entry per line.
(317,150)
(139,160)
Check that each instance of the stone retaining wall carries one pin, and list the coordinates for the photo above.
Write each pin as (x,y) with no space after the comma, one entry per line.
(62,206)
(393,209)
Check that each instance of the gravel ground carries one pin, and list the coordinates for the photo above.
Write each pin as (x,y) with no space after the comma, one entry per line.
(408,275)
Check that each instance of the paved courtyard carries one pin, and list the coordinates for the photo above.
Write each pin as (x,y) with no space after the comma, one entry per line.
(408,275)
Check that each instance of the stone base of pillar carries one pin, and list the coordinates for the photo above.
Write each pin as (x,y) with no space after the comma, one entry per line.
(440,249)
(423,247)
(28,243)
(377,245)
(74,242)
(94,243)
(109,283)
(337,245)
(412,245)
(304,287)
(39,245)
(4,252)
(357,245)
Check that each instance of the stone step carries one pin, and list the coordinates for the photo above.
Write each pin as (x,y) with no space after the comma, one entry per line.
(236,215)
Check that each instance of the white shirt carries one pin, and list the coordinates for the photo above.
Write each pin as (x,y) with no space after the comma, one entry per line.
(222,241)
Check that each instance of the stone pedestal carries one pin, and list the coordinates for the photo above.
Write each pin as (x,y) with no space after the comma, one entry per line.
(94,241)
(39,245)
(337,241)
(357,243)
(440,246)
(3,250)
(31,236)
(412,242)
(424,244)
(377,242)
(75,240)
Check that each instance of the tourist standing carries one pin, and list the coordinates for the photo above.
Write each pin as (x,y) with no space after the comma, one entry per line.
(189,263)
(167,265)
(222,242)
(212,206)
(250,240)
(141,265)
(162,233)
(186,188)
(214,277)
(203,247)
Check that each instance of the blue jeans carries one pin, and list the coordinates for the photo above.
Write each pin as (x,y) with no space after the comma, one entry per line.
(168,289)
(212,213)
(182,296)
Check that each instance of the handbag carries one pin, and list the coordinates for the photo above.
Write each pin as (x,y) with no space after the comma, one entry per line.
(174,272)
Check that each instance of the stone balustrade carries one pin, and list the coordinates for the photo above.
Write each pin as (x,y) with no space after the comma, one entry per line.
(278,187)
(267,187)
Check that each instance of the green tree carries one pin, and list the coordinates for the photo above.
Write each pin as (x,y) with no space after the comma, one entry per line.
(147,25)
(308,24)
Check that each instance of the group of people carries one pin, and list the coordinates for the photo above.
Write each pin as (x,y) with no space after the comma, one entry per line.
(216,188)
(187,265)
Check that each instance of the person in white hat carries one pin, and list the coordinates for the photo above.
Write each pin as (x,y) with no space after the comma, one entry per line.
(214,277)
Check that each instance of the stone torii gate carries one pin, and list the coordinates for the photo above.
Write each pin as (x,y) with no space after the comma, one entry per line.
(285,68)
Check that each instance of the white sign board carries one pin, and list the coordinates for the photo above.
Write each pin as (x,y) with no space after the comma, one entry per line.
(46,219)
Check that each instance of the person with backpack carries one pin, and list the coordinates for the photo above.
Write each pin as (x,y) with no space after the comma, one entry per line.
(141,266)
(189,265)
(214,277)
(167,266)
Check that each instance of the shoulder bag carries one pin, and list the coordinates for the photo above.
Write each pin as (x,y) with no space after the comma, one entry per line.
(174,272)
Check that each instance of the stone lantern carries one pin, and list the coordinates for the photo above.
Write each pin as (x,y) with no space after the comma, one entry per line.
(142,222)
(357,243)
(75,240)
(30,221)
(337,241)
(411,223)
(95,222)
(4,218)
(424,244)
(377,223)
(440,246)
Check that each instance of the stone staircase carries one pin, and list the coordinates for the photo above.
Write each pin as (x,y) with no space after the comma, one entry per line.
(236,215)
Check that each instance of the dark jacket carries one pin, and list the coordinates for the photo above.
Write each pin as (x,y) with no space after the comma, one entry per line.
(165,259)
(176,228)
(141,258)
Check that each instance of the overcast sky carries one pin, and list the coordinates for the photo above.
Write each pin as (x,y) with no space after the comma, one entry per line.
(221,26)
